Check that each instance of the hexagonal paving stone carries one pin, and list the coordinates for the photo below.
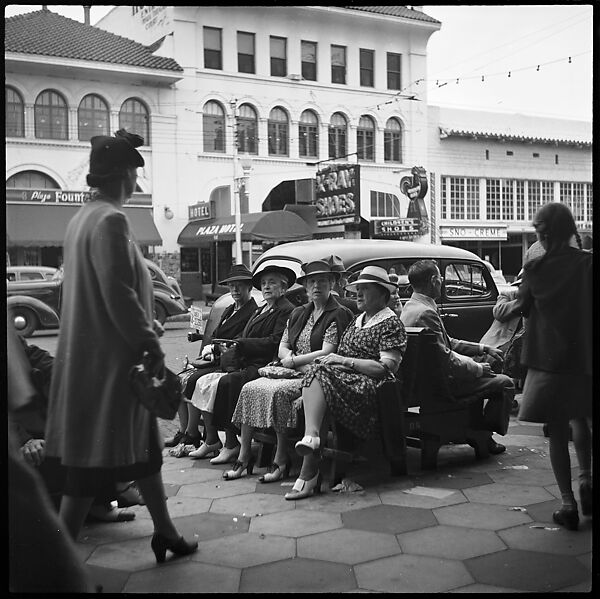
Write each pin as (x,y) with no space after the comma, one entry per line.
(178,506)
(211,526)
(514,476)
(190,475)
(298,576)
(482,588)
(421,497)
(178,577)
(412,574)
(252,504)
(461,480)
(502,494)
(218,488)
(111,580)
(527,570)
(126,555)
(245,550)
(296,523)
(348,546)
(450,542)
(479,515)
(388,518)
(341,502)
(118,531)
(559,542)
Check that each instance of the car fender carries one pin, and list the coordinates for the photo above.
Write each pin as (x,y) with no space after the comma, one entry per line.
(46,315)
(172,306)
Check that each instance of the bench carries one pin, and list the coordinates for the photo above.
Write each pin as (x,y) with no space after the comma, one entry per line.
(416,410)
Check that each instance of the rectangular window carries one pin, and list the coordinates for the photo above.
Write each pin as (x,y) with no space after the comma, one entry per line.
(472,198)
(533,198)
(520,195)
(365,144)
(444,182)
(245,43)
(384,205)
(309,60)
(278,138)
(493,199)
(571,194)
(508,212)
(367,68)
(589,202)
(392,146)
(337,142)
(278,56)
(338,64)
(247,136)
(308,141)
(457,198)
(213,51)
(394,62)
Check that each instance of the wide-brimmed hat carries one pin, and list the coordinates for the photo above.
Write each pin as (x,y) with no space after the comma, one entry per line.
(238,272)
(108,153)
(337,264)
(375,275)
(273,266)
(318,267)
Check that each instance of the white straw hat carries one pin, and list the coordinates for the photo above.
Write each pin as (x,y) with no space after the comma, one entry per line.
(375,275)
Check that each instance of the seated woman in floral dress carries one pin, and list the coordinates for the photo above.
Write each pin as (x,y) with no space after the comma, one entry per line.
(346,383)
(313,330)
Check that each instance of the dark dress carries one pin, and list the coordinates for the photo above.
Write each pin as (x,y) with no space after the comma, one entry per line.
(350,396)
(257,345)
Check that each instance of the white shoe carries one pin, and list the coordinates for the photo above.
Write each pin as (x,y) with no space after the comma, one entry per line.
(307,445)
(227,456)
(206,451)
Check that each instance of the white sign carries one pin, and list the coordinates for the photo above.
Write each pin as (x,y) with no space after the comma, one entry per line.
(195,317)
(217,229)
(474,232)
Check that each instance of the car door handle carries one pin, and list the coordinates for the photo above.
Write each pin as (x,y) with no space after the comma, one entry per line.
(448,315)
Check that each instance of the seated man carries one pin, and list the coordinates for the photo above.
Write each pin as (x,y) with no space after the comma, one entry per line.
(467,376)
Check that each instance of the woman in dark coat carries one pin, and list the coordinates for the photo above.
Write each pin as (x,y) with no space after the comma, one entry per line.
(232,323)
(256,347)
(96,426)
(556,297)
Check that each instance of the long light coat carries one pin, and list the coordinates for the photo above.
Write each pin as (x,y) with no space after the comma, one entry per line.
(107,313)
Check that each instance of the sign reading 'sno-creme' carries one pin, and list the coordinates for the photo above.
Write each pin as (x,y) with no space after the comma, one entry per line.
(338,194)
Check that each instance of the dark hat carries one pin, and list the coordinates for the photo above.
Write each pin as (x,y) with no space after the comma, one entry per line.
(109,153)
(273,266)
(373,274)
(318,267)
(238,272)
(337,264)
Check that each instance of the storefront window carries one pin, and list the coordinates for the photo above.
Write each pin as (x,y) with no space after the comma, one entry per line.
(247,127)
(92,117)
(134,117)
(337,136)
(308,135)
(213,121)
(14,113)
(51,116)
(278,132)
(189,260)
(392,141)
(365,139)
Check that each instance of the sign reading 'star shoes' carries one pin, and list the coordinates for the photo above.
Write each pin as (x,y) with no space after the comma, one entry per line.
(338,194)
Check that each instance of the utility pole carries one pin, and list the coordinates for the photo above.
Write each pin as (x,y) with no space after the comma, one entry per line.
(236,186)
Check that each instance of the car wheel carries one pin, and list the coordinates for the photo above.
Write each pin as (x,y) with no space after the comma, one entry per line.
(25,321)
(159,312)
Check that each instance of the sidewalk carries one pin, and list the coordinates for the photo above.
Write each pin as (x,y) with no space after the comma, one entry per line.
(469,526)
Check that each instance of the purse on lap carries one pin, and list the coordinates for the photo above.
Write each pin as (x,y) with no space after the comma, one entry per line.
(279,372)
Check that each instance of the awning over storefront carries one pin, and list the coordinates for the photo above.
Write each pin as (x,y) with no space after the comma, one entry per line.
(276,225)
(30,225)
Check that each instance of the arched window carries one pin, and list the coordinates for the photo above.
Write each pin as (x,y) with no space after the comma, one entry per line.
(92,117)
(337,135)
(308,134)
(392,141)
(278,130)
(365,139)
(213,120)
(134,117)
(32,180)
(14,115)
(51,116)
(247,130)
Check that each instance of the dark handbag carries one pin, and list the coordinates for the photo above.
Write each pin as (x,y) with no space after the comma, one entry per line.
(231,358)
(160,396)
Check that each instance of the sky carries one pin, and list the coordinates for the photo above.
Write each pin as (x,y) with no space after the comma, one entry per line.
(489,42)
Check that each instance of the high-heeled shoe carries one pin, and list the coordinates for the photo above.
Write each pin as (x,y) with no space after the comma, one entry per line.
(206,451)
(305,488)
(276,472)
(238,469)
(567,517)
(586,498)
(307,445)
(180,547)
(227,456)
